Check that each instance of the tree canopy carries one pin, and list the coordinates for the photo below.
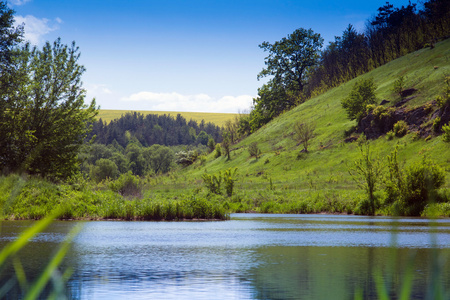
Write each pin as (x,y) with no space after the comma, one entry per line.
(43,117)
(291,58)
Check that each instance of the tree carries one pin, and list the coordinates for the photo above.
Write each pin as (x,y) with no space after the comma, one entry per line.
(44,119)
(226,144)
(361,95)
(160,158)
(291,58)
(104,168)
(303,133)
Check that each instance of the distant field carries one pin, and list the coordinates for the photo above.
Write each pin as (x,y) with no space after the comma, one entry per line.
(217,118)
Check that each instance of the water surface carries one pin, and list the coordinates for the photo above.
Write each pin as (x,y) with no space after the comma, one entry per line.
(252,256)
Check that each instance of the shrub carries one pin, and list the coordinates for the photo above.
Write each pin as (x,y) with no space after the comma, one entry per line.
(254,150)
(399,85)
(127,185)
(211,144)
(229,177)
(410,190)
(213,182)
(104,168)
(436,124)
(186,158)
(400,128)
(446,135)
(362,94)
(390,135)
(218,151)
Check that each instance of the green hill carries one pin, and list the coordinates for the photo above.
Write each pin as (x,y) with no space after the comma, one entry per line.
(285,180)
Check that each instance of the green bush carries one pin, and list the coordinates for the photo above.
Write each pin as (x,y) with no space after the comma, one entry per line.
(400,128)
(254,150)
(218,151)
(127,185)
(411,189)
(446,135)
(436,124)
(361,95)
(390,135)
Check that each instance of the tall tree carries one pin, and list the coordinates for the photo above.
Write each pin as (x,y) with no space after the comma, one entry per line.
(291,58)
(44,118)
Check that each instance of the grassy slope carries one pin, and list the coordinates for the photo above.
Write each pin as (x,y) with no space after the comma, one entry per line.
(218,119)
(326,168)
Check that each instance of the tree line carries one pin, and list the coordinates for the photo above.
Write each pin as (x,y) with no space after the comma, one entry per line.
(154,129)
(300,69)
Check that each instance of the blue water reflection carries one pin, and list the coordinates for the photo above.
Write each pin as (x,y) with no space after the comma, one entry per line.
(251,256)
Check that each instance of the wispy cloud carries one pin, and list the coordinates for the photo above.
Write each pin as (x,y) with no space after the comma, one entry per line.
(36,28)
(19,2)
(196,103)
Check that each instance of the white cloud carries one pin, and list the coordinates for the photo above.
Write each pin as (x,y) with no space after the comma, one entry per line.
(194,103)
(98,89)
(36,28)
(19,2)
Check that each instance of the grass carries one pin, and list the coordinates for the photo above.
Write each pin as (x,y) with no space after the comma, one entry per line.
(35,198)
(321,176)
(219,119)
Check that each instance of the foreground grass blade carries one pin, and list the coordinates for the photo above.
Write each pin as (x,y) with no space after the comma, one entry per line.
(42,281)
(24,237)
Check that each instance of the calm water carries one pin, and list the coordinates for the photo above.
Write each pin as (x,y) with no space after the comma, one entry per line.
(251,256)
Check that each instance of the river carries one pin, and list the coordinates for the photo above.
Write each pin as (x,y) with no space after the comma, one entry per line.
(252,256)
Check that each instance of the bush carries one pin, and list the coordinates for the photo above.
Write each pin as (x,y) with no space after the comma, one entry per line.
(361,95)
(446,135)
(436,124)
(127,185)
(218,151)
(104,168)
(254,150)
(400,128)
(390,135)
(410,190)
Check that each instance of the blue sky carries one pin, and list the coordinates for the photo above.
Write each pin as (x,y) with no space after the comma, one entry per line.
(174,55)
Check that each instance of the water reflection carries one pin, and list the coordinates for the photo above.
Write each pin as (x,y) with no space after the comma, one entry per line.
(249,257)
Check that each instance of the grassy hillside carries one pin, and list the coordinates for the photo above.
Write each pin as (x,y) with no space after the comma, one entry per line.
(218,119)
(282,174)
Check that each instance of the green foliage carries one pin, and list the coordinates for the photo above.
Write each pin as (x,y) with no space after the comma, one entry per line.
(446,134)
(226,144)
(44,117)
(291,58)
(253,150)
(160,158)
(444,99)
(218,151)
(436,125)
(361,95)
(399,86)
(127,185)
(303,133)
(400,128)
(211,144)
(411,189)
(366,173)
(229,177)
(202,138)
(186,158)
(213,182)
(103,169)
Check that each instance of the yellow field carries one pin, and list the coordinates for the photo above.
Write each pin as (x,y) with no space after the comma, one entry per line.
(218,119)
